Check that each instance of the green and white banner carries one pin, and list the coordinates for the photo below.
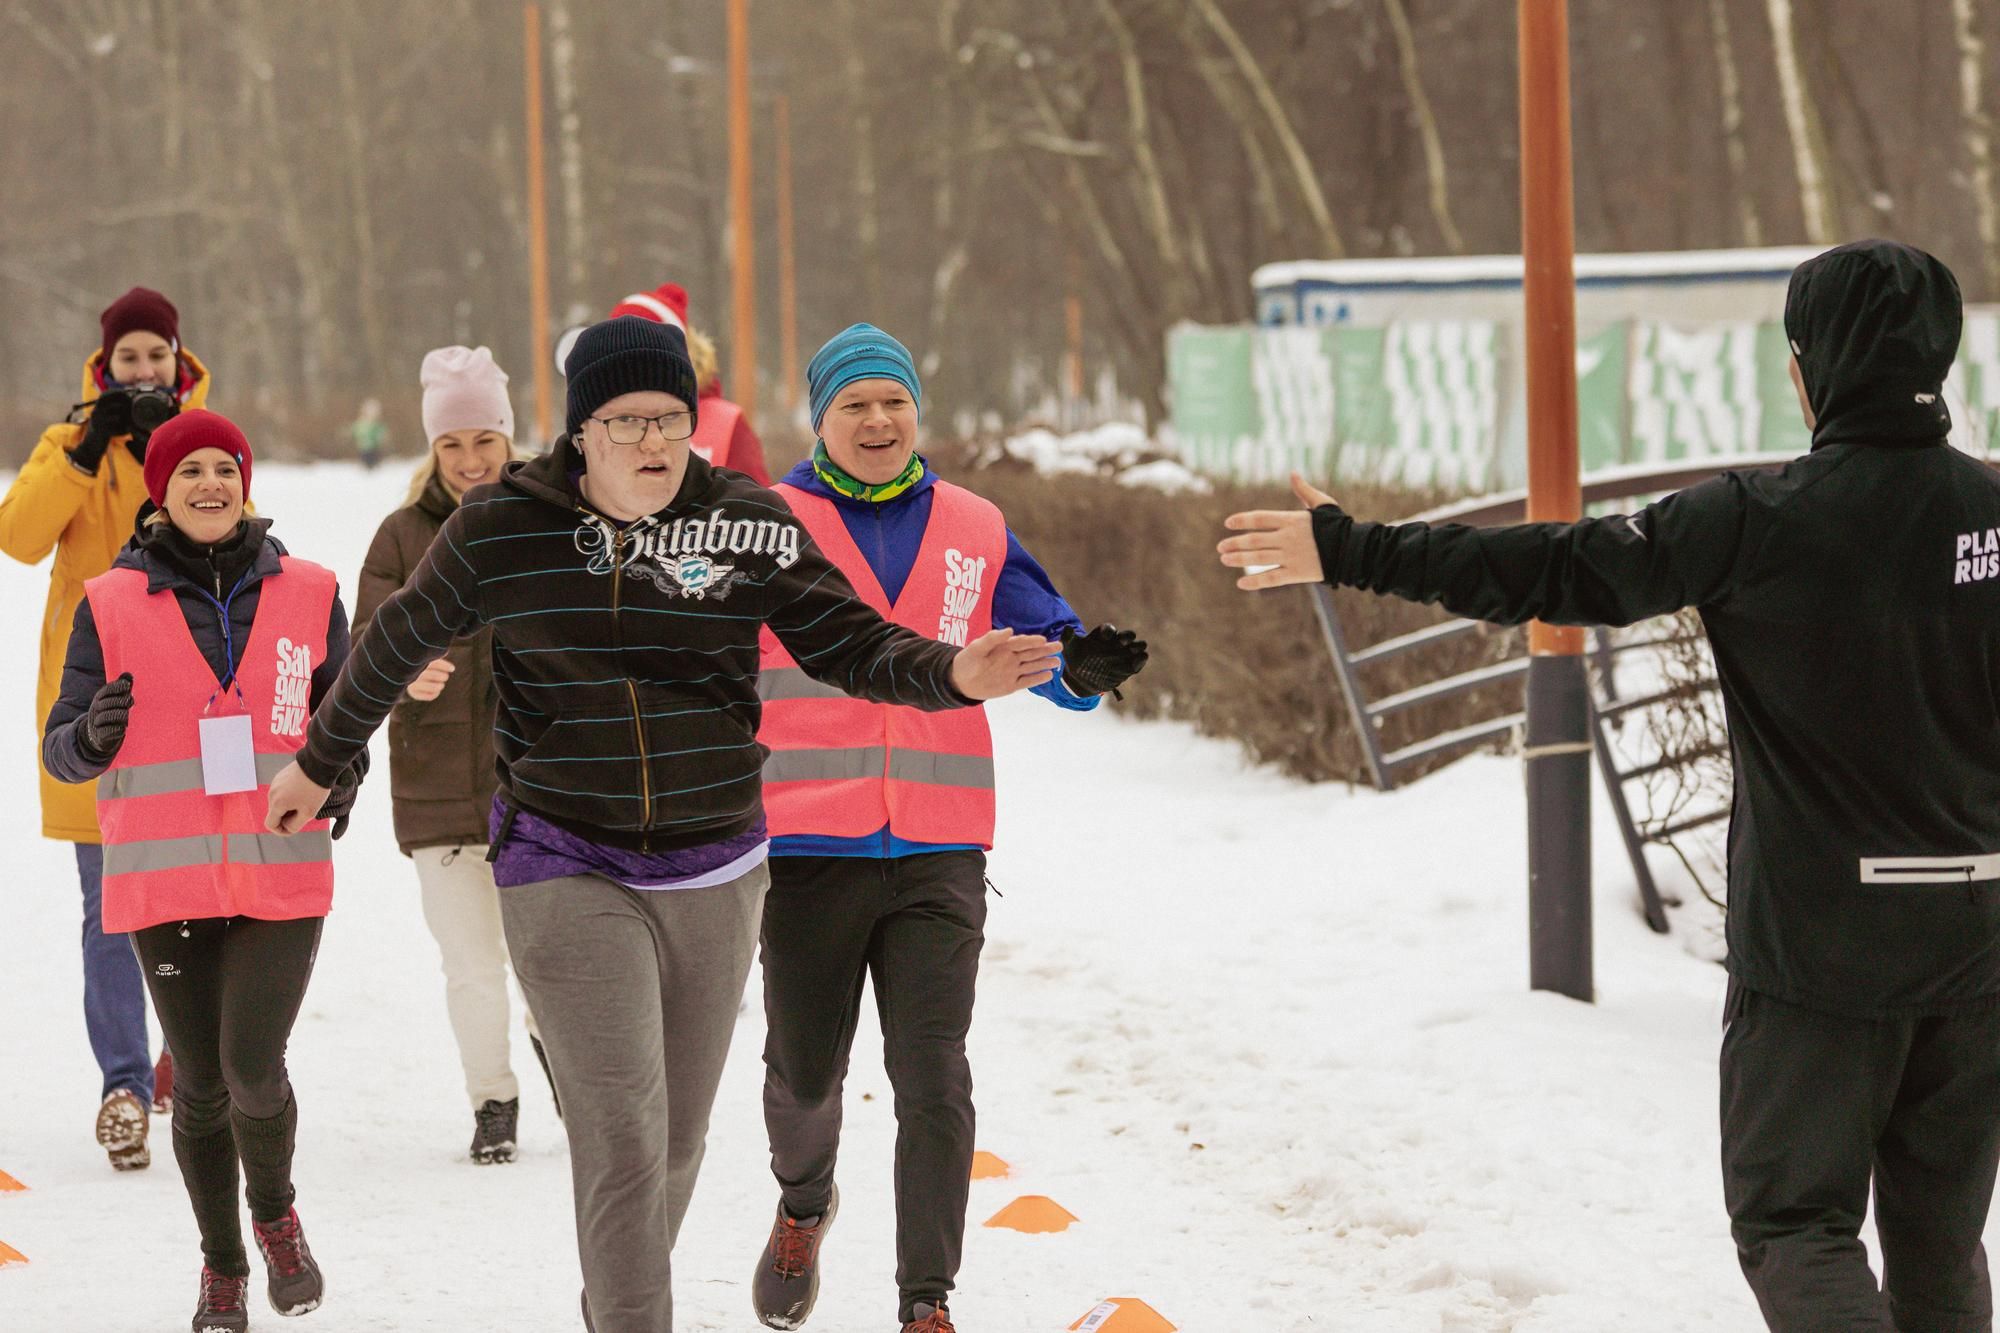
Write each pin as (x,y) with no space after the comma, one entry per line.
(1439,404)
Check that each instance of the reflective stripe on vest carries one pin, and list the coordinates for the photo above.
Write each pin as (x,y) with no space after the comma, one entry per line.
(171,851)
(715,429)
(946,770)
(845,767)
(273,849)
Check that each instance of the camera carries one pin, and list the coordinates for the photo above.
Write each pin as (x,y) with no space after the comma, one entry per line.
(152,408)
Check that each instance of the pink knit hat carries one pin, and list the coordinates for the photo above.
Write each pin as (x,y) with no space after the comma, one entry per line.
(465,390)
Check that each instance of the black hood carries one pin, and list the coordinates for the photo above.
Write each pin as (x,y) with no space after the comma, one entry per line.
(1875,327)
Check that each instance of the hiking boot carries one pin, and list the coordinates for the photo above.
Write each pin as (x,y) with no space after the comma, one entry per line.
(542,1054)
(121,1131)
(296,1285)
(163,1083)
(493,1126)
(787,1281)
(930,1319)
(223,1307)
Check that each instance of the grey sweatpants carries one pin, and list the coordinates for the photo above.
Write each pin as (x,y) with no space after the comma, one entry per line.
(636,993)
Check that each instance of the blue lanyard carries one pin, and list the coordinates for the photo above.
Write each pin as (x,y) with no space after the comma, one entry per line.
(228,680)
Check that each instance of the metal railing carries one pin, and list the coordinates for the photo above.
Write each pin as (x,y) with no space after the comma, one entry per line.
(1608,708)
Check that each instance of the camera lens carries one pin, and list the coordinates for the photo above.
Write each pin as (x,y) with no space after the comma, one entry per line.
(152,409)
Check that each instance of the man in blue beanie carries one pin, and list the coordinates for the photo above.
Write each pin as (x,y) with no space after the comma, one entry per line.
(880,819)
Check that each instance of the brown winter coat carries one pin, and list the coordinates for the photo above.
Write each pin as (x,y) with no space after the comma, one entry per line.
(441,775)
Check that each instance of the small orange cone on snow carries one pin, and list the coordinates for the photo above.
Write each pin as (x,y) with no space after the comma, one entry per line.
(10,1255)
(1123,1314)
(1033,1214)
(985,1166)
(8,1183)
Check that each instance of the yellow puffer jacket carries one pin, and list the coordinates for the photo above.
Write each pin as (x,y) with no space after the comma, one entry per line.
(86,521)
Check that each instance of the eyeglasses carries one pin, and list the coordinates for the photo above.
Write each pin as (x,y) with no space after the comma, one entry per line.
(631,430)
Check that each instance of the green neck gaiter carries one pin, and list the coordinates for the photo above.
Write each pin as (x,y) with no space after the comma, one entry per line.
(830,472)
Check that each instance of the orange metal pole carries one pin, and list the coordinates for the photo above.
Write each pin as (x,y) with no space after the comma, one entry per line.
(1556,752)
(788,267)
(1548,247)
(743,221)
(538,232)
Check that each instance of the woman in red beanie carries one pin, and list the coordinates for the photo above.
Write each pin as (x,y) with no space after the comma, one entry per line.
(191,670)
(78,496)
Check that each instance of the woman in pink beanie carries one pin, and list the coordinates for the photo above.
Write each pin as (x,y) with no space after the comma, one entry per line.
(441,771)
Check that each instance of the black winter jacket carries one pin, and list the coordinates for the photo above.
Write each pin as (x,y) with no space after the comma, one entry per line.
(200,579)
(625,658)
(1852,599)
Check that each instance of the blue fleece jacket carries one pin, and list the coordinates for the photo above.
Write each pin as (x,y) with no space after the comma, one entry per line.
(888,535)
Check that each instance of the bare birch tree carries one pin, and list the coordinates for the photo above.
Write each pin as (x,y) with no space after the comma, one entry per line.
(1730,82)
(1802,122)
(1978,133)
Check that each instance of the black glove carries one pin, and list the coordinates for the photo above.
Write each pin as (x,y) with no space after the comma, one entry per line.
(110,417)
(346,789)
(104,724)
(1101,660)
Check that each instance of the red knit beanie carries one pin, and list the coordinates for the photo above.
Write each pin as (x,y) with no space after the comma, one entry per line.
(665,304)
(195,429)
(142,308)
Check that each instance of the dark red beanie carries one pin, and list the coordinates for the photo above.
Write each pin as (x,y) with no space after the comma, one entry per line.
(140,308)
(195,429)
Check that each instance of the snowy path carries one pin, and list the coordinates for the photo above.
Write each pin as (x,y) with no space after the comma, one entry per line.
(1271,1043)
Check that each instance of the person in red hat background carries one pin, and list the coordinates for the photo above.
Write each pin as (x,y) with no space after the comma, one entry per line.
(193,667)
(722,432)
(78,496)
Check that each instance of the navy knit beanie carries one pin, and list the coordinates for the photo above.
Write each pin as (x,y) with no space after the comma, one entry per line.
(627,355)
(858,352)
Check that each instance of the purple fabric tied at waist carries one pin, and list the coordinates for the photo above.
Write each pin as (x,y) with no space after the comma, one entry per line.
(536,850)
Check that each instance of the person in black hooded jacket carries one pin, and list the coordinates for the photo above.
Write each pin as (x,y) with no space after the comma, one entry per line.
(1852,599)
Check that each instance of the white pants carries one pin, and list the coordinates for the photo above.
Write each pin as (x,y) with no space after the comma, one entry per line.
(462,909)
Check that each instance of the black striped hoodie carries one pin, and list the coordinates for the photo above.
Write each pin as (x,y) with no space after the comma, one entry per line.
(625,660)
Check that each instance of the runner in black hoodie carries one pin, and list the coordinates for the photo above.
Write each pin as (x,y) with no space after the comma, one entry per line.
(1853,602)
(626,582)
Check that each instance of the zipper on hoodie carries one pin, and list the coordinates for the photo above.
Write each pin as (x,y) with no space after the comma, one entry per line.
(631,688)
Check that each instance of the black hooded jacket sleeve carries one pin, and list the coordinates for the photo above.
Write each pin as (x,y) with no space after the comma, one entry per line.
(1687,550)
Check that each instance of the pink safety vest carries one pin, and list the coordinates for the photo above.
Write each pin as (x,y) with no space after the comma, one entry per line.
(844,767)
(171,851)
(715,430)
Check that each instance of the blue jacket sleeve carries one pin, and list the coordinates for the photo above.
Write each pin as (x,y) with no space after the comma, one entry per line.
(82,676)
(1026,601)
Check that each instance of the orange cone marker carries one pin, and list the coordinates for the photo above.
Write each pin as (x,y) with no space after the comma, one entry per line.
(985,1166)
(1033,1214)
(8,1184)
(10,1255)
(1123,1314)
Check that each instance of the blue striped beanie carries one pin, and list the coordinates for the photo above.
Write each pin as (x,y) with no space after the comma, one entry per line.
(858,352)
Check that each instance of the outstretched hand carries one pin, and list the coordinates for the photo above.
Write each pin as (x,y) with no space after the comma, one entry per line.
(1277,546)
(1000,662)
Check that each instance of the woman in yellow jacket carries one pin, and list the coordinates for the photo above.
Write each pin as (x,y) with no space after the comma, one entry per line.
(79,496)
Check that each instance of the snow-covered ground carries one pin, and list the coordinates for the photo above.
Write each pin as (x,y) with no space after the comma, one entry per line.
(1270,1042)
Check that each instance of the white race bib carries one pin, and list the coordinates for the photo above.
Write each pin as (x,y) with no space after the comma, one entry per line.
(228,755)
